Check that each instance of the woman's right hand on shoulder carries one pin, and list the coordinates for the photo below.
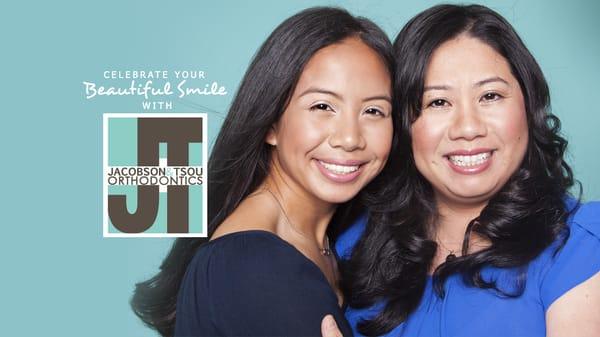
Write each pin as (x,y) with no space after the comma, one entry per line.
(329,328)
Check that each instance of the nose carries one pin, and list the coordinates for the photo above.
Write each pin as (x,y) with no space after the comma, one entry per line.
(347,134)
(468,123)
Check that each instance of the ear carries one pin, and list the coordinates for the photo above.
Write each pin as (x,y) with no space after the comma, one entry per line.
(271,137)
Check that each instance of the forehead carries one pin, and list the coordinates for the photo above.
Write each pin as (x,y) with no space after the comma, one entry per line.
(343,64)
(466,58)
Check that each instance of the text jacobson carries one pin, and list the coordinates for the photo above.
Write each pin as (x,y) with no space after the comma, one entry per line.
(135,171)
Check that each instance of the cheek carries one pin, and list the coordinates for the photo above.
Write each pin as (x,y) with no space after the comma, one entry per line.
(297,136)
(425,139)
(514,130)
(378,137)
(301,134)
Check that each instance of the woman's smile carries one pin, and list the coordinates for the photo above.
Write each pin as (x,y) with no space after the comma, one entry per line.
(340,171)
(470,161)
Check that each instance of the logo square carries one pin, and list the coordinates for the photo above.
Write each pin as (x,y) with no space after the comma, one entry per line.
(154,175)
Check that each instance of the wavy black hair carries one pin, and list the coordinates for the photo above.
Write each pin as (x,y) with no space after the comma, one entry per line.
(392,259)
(240,158)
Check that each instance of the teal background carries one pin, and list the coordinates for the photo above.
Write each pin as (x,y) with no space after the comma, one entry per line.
(59,276)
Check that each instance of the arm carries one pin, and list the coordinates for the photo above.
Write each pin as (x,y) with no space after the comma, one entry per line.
(577,312)
(570,289)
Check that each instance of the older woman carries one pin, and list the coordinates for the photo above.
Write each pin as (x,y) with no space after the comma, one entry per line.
(475,234)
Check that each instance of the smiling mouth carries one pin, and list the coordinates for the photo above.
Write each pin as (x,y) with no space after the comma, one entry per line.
(470,160)
(339,169)
(341,172)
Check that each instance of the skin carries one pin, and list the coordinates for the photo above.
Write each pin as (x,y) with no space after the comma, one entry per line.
(329,328)
(577,312)
(472,100)
(340,111)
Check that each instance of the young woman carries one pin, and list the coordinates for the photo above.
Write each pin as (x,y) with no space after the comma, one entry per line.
(310,127)
(476,234)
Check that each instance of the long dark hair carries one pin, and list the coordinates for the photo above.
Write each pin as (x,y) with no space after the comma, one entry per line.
(240,159)
(392,259)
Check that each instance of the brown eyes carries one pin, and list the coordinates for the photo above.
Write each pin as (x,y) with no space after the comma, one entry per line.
(438,103)
(327,107)
(376,112)
(488,97)
(321,106)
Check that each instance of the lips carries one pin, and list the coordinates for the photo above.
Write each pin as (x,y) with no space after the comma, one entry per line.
(470,161)
(340,171)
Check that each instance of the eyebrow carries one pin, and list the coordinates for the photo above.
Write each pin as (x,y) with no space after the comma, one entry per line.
(313,90)
(436,87)
(478,84)
(491,79)
(382,97)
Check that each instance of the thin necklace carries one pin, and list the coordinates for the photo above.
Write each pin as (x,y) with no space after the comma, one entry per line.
(451,253)
(325,250)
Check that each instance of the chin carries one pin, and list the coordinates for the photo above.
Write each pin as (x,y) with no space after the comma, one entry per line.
(472,187)
(470,195)
(337,196)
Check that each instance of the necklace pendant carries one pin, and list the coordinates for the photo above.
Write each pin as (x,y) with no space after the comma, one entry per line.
(450,257)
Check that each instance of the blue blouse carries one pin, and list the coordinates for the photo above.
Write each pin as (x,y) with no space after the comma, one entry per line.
(469,311)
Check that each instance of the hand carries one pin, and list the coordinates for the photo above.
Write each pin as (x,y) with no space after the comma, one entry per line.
(329,328)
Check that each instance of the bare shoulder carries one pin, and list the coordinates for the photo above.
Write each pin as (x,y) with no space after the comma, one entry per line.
(577,312)
(256,212)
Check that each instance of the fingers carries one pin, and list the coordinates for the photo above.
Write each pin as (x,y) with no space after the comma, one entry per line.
(329,328)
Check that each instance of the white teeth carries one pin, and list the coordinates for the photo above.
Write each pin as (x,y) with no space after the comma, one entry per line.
(467,161)
(339,169)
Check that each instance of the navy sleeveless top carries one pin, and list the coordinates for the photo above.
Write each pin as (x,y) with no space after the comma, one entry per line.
(253,283)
